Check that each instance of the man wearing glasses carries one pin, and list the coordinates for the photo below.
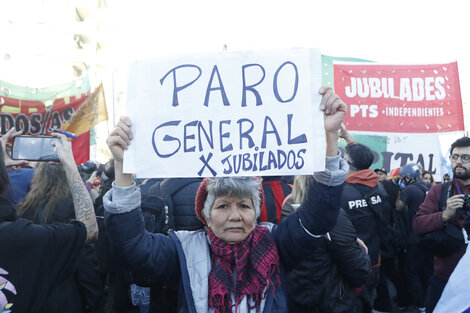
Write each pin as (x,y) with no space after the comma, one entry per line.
(433,216)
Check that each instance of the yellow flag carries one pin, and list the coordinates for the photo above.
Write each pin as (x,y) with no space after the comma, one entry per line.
(90,113)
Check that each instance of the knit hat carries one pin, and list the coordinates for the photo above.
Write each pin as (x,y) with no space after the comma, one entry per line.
(201,197)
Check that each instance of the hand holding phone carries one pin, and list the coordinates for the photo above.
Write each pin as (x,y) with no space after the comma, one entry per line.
(64,150)
(35,148)
(10,134)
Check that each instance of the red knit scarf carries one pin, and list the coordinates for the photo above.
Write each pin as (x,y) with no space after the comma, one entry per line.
(255,261)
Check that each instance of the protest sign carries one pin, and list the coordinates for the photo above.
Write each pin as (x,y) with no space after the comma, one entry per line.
(402,111)
(227,114)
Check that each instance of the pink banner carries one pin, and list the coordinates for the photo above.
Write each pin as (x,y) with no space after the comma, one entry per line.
(400,98)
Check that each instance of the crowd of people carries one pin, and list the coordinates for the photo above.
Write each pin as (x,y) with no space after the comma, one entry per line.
(349,239)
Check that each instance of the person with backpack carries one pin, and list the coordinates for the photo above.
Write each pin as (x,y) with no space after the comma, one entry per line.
(363,199)
(444,209)
(418,263)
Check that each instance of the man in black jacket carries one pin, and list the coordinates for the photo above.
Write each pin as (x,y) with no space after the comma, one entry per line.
(360,181)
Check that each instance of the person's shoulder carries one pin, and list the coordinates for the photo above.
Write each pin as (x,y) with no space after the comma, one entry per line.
(23,229)
(437,188)
(356,188)
(412,187)
(349,186)
(70,231)
(349,191)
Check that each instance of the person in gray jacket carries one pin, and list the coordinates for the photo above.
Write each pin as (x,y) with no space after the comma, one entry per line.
(234,265)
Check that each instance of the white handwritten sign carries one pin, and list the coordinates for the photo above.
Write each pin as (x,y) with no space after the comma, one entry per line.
(228,114)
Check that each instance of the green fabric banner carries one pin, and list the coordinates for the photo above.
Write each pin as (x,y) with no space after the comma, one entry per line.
(327,67)
(75,88)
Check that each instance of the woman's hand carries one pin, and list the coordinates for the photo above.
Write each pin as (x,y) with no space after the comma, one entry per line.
(83,205)
(118,141)
(12,133)
(334,109)
(63,147)
(120,138)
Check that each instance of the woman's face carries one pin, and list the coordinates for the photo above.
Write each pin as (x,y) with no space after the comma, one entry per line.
(232,218)
(427,178)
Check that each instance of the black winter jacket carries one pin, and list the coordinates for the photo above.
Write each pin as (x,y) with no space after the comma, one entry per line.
(183,202)
(326,281)
(362,218)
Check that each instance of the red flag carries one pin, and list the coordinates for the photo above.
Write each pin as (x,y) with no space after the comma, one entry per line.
(39,117)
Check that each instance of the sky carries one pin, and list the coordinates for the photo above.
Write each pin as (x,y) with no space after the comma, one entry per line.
(396,31)
(383,31)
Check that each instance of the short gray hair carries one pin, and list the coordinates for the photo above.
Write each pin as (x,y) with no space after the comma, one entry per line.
(233,186)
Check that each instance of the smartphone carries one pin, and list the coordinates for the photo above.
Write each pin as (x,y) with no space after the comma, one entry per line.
(34,148)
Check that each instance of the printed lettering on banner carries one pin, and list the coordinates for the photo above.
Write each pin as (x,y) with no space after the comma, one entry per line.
(400,98)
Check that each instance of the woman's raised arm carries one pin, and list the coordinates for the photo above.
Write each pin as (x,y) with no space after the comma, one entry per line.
(84,210)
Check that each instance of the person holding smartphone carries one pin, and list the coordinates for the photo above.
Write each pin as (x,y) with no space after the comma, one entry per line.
(35,259)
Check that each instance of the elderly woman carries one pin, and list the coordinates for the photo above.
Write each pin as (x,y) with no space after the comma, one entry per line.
(234,265)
